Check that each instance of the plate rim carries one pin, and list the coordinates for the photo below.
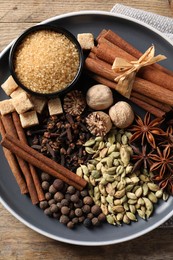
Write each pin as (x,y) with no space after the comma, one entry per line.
(55,237)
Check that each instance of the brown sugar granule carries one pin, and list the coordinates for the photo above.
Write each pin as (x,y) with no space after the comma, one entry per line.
(46,61)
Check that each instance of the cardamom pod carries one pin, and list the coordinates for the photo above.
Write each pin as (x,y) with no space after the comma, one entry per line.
(145,189)
(152,186)
(111,148)
(124,139)
(132,209)
(131,195)
(118,209)
(95,174)
(159,193)
(132,201)
(119,194)
(90,142)
(104,209)
(124,155)
(138,192)
(109,189)
(141,213)
(85,170)
(144,178)
(152,197)
(117,202)
(131,216)
(126,220)
(79,172)
(103,152)
(110,219)
(89,150)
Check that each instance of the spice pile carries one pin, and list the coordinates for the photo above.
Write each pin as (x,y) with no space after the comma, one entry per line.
(123,163)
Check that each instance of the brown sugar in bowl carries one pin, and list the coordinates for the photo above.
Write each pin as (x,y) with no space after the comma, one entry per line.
(46,60)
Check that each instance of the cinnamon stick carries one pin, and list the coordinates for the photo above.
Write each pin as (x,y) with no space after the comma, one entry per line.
(9,128)
(42,162)
(22,138)
(141,86)
(14,165)
(153,110)
(152,102)
(108,53)
(120,42)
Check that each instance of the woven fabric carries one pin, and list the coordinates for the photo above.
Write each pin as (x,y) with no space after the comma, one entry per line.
(161,23)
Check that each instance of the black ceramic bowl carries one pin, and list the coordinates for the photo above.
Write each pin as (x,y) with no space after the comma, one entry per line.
(16,45)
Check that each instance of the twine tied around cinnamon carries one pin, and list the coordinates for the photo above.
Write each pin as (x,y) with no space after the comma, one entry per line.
(128,70)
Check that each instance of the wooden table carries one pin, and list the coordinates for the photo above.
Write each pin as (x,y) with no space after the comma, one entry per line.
(18,241)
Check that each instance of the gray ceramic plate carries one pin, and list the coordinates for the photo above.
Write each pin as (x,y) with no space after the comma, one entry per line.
(20,206)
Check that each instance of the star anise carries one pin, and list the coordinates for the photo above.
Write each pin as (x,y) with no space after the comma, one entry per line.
(167,183)
(146,130)
(162,163)
(140,157)
(167,140)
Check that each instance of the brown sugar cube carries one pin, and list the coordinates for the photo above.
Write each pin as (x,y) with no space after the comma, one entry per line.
(39,103)
(29,119)
(9,85)
(17,92)
(22,103)
(86,40)
(55,107)
(6,106)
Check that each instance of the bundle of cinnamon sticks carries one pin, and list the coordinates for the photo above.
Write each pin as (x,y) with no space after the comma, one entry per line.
(153,86)
(22,159)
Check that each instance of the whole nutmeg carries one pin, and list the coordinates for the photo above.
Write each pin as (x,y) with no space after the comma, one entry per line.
(121,114)
(99,97)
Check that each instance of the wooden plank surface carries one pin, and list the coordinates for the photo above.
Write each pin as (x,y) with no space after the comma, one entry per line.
(18,241)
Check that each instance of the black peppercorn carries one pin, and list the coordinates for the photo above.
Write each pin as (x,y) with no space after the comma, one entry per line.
(58,184)
(90,215)
(67,196)
(78,204)
(70,224)
(64,202)
(87,223)
(54,208)
(48,212)
(81,219)
(88,200)
(96,210)
(84,193)
(78,212)
(74,198)
(43,204)
(52,189)
(48,195)
(102,217)
(75,220)
(56,215)
(65,210)
(71,190)
(45,176)
(58,196)
(51,201)
(71,213)
(45,185)
(95,221)
(64,219)
(86,209)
